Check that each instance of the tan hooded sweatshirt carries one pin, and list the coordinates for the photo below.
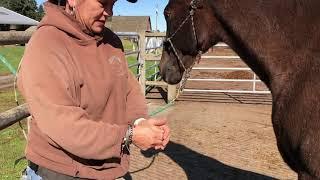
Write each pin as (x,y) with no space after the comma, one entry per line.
(81,96)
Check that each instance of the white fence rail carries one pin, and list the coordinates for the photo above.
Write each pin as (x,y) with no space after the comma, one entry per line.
(254,80)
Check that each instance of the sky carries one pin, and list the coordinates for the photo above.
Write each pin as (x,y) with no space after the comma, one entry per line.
(140,8)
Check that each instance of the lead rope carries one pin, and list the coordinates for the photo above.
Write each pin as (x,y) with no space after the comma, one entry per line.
(185,77)
(186,73)
(17,101)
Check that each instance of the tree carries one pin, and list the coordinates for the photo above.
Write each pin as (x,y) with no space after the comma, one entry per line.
(5,3)
(25,7)
(40,12)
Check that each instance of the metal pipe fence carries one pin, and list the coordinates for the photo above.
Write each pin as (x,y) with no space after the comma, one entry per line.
(254,80)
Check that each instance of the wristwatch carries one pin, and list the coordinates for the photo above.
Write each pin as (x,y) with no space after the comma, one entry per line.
(127,140)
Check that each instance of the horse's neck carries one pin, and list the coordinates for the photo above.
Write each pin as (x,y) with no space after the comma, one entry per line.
(261,35)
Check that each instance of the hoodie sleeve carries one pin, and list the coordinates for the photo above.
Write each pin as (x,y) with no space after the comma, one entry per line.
(47,84)
(136,104)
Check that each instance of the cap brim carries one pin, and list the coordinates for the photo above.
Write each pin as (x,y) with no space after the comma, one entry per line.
(132,1)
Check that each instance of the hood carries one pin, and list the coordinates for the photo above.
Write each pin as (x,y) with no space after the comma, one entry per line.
(56,16)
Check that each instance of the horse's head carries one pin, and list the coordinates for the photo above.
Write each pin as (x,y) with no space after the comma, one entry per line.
(189,31)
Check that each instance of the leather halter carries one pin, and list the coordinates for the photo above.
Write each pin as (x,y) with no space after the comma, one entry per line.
(186,73)
(193,8)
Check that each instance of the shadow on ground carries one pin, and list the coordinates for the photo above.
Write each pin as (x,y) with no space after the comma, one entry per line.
(200,167)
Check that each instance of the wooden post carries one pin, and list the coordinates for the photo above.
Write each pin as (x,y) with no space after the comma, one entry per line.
(13,115)
(172,92)
(254,82)
(142,67)
(14,37)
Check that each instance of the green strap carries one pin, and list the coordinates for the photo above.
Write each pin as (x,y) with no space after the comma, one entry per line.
(158,110)
(5,62)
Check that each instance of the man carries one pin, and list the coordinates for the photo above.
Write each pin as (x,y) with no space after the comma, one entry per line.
(86,106)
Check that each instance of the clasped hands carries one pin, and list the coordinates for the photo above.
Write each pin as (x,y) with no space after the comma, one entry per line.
(151,133)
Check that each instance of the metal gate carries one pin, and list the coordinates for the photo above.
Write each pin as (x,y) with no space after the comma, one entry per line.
(223,58)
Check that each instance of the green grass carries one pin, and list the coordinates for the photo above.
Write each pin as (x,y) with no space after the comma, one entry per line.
(128,45)
(12,142)
(13,55)
(133,60)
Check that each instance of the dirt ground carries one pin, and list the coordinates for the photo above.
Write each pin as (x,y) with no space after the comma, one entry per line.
(215,140)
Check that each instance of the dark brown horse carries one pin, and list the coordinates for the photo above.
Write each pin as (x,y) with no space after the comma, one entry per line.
(280,41)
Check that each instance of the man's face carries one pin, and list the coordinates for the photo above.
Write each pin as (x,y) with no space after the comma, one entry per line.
(94,13)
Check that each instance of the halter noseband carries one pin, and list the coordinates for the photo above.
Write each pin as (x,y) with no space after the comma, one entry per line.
(193,8)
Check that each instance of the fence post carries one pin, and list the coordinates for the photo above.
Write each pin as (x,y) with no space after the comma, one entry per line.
(172,92)
(14,37)
(254,82)
(141,58)
(13,115)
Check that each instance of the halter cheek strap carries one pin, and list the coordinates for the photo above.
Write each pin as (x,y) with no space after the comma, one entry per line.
(191,14)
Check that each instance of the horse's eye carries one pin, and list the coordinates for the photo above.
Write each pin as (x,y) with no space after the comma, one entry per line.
(167,45)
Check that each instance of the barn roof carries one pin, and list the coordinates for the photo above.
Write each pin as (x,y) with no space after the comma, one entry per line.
(10,17)
(129,23)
